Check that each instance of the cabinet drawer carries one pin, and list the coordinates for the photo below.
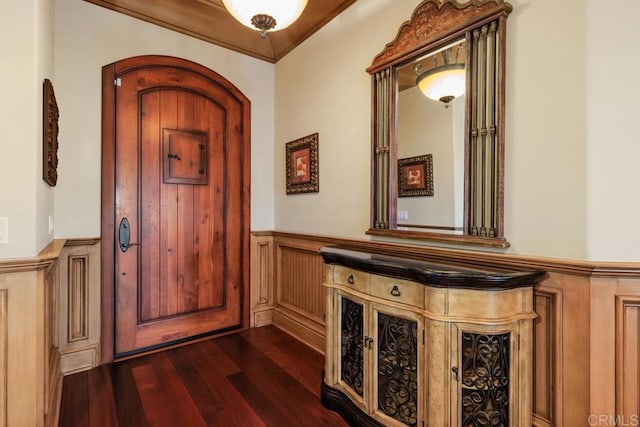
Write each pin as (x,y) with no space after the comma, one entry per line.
(353,278)
(398,290)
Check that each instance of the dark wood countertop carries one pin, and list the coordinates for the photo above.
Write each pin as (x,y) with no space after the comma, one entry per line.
(432,272)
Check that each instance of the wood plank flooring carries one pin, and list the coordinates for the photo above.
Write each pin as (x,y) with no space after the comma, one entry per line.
(259,377)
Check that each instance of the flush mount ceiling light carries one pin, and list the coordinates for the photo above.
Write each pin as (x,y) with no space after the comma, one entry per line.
(443,82)
(265,16)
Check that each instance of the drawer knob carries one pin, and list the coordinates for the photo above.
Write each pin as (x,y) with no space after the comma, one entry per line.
(350,279)
(395,291)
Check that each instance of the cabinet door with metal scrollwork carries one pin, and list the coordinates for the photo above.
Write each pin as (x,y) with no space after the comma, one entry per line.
(398,385)
(352,340)
(485,379)
(484,376)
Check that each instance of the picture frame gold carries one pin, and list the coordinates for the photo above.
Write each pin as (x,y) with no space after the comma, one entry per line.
(50,116)
(415,176)
(302,165)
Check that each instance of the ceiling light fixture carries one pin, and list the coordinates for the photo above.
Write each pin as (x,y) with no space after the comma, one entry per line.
(443,82)
(265,16)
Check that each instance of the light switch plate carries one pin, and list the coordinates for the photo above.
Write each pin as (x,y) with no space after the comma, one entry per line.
(4,230)
(403,215)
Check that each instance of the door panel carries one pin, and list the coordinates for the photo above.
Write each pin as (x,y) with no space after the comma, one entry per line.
(179,243)
(186,199)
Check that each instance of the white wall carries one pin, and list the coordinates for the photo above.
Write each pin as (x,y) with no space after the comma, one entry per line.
(322,86)
(613,145)
(26,42)
(89,37)
(571,156)
(545,176)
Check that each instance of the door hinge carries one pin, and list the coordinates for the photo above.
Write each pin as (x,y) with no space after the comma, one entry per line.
(423,338)
(117,82)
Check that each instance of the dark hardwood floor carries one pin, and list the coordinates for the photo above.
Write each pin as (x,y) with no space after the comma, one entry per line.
(259,377)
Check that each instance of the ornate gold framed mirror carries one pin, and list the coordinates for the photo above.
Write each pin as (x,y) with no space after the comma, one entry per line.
(438,92)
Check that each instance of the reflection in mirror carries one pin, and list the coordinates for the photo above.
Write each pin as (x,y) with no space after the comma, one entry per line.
(430,121)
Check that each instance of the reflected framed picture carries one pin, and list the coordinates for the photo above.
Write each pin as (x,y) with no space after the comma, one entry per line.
(302,165)
(415,176)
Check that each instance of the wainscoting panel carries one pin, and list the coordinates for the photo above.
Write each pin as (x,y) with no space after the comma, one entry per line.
(78,295)
(30,378)
(628,358)
(53,377)
(300,272)
(300,298)
(3,357)
(547,342)
(615,337)
(80,305)
(262,280)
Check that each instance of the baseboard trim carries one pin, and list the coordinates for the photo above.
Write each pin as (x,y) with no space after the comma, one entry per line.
(295,326)
(262,318)
(79,360)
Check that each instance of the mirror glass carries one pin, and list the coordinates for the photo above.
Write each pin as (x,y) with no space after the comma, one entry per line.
(430,129)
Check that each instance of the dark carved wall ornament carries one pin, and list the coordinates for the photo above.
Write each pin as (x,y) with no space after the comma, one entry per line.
(485,380)
(50,115)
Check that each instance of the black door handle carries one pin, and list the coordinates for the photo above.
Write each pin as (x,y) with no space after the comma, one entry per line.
(173,156)
(124,235)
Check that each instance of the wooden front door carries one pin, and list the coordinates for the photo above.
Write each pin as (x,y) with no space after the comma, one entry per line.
(180,222)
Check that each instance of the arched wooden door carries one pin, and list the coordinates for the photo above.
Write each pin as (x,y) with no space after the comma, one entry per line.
(175,198)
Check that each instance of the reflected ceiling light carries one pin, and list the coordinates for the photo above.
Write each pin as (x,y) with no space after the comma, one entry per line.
(271,15)
(443,82)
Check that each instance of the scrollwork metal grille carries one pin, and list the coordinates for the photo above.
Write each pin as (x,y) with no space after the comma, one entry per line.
(485,380)
(352,337)
(398,368)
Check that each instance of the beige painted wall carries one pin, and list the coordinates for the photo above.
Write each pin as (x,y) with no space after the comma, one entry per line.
(26,42)
(322,87)
(570,158)
(545,207)
(613,146)
(89,37)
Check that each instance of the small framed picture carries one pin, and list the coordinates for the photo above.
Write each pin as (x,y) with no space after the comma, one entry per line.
(302,165)
(415,176)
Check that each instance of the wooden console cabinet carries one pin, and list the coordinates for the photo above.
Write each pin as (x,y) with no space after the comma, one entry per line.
(423,343)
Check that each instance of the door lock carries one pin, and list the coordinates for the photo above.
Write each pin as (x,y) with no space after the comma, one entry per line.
(125,235)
